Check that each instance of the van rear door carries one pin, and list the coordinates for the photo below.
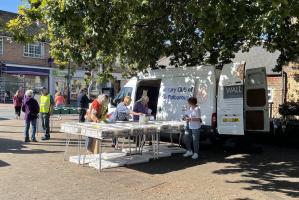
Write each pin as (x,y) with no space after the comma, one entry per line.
(230,116)
(256,100)
(173,95)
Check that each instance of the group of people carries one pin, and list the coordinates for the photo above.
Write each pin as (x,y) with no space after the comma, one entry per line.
(29,105)
(99,108)
(97,111)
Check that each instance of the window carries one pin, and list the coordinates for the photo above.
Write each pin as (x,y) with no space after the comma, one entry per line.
(34,50)
(270,95)
(125,91)
(1,45)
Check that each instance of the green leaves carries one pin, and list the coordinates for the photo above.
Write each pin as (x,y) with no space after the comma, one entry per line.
(139,32)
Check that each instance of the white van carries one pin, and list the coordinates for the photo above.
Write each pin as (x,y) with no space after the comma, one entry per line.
(169,89)
(235,109)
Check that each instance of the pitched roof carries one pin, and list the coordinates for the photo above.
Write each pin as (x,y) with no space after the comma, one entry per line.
(258,57)
(4,18)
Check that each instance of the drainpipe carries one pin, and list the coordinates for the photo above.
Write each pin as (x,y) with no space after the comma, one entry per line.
(284,87)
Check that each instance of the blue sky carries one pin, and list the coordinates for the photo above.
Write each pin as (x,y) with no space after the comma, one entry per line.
(10,5)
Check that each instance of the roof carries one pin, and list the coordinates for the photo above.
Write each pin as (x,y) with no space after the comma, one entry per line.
(258,57)
(6,16)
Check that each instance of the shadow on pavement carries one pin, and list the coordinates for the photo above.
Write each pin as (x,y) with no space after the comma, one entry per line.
(9,125)
(269,171)
(166,165)
(276,173)
(1,118)
(17,147)
(3,164)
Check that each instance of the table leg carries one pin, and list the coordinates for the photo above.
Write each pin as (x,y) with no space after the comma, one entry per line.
(86,151)
(158,143)
(136,142)
(130,152)
(180,137)
(100,155)
(153,145)
(141,142)
(67,142)
(79,149)
(171,139)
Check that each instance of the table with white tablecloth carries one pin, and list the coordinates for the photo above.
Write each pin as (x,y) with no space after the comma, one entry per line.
(101,131)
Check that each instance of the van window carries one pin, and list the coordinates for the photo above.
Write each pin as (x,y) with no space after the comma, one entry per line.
(125,91)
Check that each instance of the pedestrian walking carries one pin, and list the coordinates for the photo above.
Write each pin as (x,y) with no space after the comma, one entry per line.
(31,109)
(46,106)
(17,102)
(83,104)
(192,132)
(59,100)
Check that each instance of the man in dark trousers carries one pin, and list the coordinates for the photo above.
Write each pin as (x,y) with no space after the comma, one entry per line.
(46,105)
(83,104)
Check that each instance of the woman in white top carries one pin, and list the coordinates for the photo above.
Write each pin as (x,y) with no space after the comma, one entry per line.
(192,133)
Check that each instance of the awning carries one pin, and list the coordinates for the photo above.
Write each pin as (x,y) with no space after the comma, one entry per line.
(26,71)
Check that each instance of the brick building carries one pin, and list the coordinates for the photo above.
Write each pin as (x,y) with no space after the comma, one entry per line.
(29,66)
(281,86)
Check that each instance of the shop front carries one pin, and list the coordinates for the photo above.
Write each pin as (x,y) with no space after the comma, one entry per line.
(24,78)
(59,83)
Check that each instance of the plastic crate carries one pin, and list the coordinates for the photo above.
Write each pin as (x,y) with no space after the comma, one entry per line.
(65,111)
(56,111)
(73,110)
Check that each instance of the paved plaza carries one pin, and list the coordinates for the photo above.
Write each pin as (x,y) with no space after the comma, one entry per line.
(37,171)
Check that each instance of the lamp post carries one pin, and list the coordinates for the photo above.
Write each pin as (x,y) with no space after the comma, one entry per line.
(68,84)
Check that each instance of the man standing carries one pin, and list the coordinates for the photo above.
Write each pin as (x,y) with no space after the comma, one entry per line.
(31,109)
(46,105)
(83,104)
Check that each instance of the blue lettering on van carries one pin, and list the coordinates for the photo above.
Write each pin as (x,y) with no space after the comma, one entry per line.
(172,93)
(175,97)
(178,89)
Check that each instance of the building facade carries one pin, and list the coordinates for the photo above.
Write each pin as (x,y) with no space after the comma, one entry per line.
(30,66)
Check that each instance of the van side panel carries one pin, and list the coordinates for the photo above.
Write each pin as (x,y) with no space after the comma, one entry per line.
(173,95)
(205,92)
(204,82)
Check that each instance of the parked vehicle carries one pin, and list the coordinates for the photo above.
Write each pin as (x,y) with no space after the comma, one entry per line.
(241,104)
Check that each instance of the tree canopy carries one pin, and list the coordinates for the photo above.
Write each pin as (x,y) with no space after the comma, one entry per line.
(139,32)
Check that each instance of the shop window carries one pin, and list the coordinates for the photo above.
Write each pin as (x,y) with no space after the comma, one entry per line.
(1,45)
(34,50)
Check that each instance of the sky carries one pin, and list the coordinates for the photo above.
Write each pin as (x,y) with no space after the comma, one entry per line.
(10,5)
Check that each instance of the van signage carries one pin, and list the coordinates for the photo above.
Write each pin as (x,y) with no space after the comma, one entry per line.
(177,93)
(235,91)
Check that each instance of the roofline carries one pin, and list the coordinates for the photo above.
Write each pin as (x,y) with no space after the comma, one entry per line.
(9,12)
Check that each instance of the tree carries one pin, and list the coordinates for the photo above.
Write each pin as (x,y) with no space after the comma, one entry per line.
(139,32)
